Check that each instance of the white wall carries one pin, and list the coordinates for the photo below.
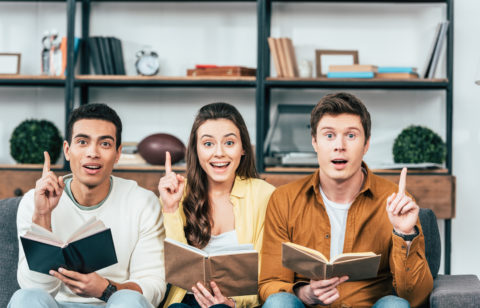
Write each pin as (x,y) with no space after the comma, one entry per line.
(185,34)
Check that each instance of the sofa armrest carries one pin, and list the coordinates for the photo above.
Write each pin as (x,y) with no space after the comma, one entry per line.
(455,291)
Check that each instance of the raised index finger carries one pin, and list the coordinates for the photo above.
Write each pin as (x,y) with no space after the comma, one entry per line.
(168,162)
(46,163)
(402,182)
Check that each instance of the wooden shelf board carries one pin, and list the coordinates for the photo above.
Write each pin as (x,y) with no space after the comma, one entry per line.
(163,78)
(166,81)
(356,79)
(30,77)
(29,166)
(376,171)
(176,168)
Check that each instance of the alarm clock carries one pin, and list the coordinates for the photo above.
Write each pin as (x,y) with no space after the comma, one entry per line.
(147,63)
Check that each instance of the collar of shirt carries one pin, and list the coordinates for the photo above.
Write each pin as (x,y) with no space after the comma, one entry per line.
(366,188)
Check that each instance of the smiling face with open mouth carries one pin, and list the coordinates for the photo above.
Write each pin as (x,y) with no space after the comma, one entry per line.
(340,146)
(92,153)
(219,150)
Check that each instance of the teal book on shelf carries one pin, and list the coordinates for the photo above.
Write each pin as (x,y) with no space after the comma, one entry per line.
(397,69)
(365,75)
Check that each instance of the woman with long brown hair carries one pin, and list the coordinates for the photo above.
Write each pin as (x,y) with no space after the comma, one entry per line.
(220,203)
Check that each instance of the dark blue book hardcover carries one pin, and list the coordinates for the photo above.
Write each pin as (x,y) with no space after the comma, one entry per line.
(85,255)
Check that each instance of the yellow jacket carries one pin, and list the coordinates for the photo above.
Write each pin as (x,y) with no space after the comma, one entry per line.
(249,198)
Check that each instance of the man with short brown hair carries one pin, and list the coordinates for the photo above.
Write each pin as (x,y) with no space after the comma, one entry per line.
(343,207)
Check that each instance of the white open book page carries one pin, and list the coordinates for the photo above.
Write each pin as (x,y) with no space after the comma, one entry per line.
(40,234)
(186,246)
(234,249)
(228,250)
(90,227)
(352,255)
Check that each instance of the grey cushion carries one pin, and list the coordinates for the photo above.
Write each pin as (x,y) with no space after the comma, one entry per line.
(433,251)
(455,291)
(9,249)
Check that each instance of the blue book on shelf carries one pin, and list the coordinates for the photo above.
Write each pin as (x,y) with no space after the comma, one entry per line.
(396,69)
(350,74)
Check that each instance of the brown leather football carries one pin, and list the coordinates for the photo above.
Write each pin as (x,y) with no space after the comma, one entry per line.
(153,148)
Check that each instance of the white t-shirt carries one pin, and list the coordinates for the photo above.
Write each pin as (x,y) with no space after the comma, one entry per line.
(221,241)
(337,214)
(134,216)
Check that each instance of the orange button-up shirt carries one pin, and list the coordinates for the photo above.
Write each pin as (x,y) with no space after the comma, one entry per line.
(296,213)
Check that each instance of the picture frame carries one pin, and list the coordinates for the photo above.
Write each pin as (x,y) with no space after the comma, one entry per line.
(10,63)
(324,58)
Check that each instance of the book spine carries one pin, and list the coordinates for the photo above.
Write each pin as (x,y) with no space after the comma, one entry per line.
(352,68)
(328,271)
(282,57)
(432,51)
(274,52)
(396,69)
(95,55)
(293,58)
(350,74)
(119,52)
(438,49)
(63,50)
(207,273)
(288,57)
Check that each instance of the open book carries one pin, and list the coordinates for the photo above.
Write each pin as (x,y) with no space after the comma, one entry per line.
(314,265)
(234,269)
(88,249)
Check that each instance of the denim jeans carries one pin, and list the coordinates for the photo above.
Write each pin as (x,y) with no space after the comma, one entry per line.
(189,301)
(288,300)
(391,301)
(283,299)
(38,298)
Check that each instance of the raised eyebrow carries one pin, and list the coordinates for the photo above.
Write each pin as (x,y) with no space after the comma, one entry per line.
(106,137)
(81,136)
(327,128)
(230,134)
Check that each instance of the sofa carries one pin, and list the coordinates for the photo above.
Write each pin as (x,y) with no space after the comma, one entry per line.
(448,291)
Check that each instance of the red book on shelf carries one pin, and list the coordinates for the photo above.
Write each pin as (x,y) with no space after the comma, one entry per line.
(222,71)
(205,66)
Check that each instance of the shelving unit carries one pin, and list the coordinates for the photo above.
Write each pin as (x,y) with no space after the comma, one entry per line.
(263,84)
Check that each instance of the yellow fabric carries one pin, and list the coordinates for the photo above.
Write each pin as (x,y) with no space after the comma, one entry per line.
(296,213)
(249,198)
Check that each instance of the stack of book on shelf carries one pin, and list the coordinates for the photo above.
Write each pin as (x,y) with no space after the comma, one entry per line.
(367,71)
(283,54)
(397,72)
(106,55)
(221,71)
(352,71)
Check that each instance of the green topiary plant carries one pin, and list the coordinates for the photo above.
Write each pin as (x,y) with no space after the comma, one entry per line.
(31,138)
(418,144)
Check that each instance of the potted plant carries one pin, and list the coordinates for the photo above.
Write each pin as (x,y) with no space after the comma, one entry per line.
(31,138)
